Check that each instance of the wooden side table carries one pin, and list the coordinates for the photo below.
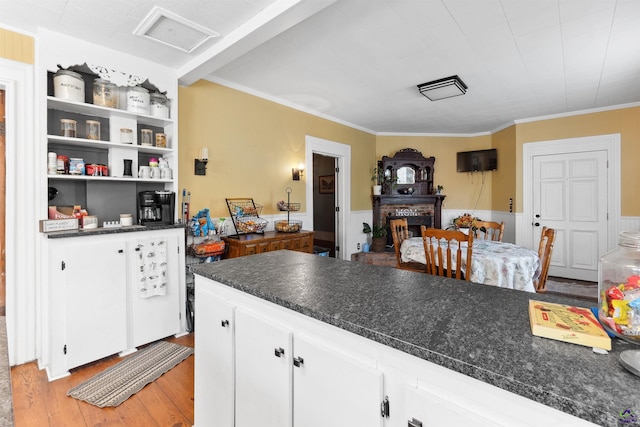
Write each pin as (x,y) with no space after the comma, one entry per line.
(251,244)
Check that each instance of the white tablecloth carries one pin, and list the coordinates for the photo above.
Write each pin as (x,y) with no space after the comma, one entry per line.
(493,263)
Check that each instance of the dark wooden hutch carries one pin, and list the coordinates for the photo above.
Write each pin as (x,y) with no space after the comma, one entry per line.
(408,191)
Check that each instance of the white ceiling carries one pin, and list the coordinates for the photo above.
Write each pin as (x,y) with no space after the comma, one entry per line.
(359,61)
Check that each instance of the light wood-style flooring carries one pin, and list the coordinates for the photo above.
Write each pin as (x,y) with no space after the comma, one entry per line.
(167,402)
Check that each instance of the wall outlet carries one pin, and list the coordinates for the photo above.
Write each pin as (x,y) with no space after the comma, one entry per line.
(358,246)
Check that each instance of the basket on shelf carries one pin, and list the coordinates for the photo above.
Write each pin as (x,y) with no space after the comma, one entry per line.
(207,248)
(251,224)
(288,226)
(284,206)
(245,208)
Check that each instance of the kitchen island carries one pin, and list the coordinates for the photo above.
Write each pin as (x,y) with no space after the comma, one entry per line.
(410,326)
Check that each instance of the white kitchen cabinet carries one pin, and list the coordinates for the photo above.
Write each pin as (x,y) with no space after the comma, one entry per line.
(92,306)
(427,409)
(263,371)
(333,389)
(269,376)
(93,286)
(215,361)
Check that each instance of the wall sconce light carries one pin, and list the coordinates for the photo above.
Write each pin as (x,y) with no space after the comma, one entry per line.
(296,173)
(201,162)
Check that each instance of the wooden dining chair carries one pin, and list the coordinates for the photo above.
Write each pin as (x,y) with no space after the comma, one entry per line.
(438,253)
(399,233)
(488,230)
(545,249)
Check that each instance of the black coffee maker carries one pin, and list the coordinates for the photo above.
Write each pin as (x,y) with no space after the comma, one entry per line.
(156,207)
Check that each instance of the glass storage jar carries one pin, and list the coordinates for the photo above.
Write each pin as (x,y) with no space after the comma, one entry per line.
(68,128)
(105,93)
(93,129)
(619,288)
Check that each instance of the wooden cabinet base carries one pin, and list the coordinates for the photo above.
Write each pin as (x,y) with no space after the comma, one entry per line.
(251,244)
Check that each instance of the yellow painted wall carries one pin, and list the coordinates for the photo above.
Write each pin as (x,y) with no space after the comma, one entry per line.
(504,184)
(253,144)
(626,122)
(463,190)
(16,47)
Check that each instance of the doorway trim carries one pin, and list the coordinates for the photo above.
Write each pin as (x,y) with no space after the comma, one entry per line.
(342,152)
(22,245)
(609,143)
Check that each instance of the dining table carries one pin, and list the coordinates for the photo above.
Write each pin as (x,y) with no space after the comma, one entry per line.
(493,263)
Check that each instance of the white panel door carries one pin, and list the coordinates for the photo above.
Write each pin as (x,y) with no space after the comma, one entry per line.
(214,362)
(320,402)
(263,371)
(96,299)
(570,195)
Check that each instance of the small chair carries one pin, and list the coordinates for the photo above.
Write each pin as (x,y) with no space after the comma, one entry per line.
(437,258)
(489,230)
(400,232)
(547,239)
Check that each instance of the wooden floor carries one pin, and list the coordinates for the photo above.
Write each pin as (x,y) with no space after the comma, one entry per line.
(167,402)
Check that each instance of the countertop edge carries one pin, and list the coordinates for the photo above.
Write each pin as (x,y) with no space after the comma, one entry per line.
(109,230)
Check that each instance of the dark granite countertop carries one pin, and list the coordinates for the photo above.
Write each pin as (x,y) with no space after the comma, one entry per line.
(477,330)
(109,230)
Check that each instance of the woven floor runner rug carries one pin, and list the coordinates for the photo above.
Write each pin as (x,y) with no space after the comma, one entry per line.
(119,382)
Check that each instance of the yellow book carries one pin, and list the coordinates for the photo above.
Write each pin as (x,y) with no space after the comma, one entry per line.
(567,323)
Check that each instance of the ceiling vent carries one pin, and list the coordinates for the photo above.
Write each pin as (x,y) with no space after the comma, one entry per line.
(173,30)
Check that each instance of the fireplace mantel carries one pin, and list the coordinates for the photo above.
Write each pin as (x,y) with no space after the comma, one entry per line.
(409,206)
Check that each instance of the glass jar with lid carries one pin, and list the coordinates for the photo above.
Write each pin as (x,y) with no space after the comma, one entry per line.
(105,93)
(619,288)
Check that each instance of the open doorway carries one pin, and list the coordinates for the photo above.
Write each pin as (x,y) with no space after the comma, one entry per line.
(341,153)
(324,204)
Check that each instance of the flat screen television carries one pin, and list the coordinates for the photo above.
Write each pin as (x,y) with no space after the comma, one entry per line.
(479,160)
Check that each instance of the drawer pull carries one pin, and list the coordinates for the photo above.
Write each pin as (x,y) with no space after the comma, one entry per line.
(298,361)
(224,323)
(279,352)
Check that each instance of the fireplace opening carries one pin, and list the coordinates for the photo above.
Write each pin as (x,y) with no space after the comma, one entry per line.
(413,222)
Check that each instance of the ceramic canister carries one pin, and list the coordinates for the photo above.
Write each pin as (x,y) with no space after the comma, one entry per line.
(68,85)
(138,100)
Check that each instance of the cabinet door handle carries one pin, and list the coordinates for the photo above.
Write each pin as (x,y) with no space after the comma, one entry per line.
(278,351)
(414,423)
(120,251)
(224,323)
(298,361)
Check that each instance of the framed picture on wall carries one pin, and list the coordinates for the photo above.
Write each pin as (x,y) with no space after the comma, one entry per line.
(326,184)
